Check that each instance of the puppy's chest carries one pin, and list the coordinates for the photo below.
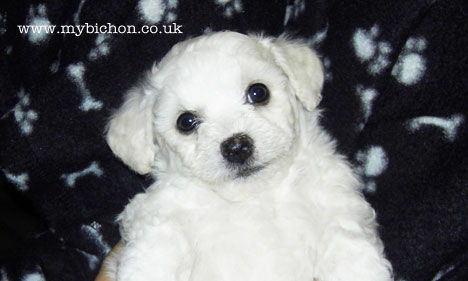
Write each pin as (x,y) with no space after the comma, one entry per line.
(252,228)
(237,239)
(206,214)
(222,240)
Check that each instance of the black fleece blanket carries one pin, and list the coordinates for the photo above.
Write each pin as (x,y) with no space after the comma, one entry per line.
(395,97)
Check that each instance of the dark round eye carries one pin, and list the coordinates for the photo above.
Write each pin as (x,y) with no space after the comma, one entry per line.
(257,94)
(187,121)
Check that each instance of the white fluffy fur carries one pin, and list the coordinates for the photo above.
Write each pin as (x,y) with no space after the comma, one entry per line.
(301,217)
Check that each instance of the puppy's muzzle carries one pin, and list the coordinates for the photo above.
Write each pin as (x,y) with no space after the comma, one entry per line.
(237,149)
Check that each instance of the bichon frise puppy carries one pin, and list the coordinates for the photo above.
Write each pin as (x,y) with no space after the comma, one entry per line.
(248,185)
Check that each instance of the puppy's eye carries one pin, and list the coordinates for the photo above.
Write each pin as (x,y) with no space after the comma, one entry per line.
(257,94)
(187,122)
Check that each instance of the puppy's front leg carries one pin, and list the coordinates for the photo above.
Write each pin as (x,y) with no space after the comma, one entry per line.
(350,252)
(161,253)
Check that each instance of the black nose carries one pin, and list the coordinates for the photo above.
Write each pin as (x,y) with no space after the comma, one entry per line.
(237,149)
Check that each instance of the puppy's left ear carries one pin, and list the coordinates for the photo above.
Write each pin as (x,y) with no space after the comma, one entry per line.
(302,66)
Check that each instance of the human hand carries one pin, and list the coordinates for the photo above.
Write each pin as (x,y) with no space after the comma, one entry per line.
(102,276)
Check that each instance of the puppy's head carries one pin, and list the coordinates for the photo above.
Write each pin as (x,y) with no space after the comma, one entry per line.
(218,107)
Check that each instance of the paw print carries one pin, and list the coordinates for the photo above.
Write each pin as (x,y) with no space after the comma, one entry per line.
(230,7)
(371,164)
(293,10)
(2,23)
(411,65)
(328,75)
(318,38)
(20,180)
(37,18)
(375,53)
(155,11)
(24,117)
(102,47)
(367,96)
(314,42)
(37,274)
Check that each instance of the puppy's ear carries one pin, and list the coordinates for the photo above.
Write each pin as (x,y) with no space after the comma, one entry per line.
(130,133)
(303,68)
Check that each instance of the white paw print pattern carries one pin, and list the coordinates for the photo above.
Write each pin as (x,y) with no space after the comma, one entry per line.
(444,271)
(4,275)
(372,163)
(367,96)
(3,17)
(8,50)
(231,7)
(19,180)
(328,75)
(37,18)
(411,65)
(370,50)
(102,47)
(55,65)
(36,275)
(449,126)
(439,275)
(294,10)
(92,169)
(76,16)
(24,116)
(318,37)
(156,11)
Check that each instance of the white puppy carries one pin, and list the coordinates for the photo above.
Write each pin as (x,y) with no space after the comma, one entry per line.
(248,185)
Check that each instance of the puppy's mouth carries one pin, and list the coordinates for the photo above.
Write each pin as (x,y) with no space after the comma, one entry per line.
(244,172)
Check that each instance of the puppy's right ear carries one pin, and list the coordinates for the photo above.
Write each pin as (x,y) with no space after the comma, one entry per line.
(130,132)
